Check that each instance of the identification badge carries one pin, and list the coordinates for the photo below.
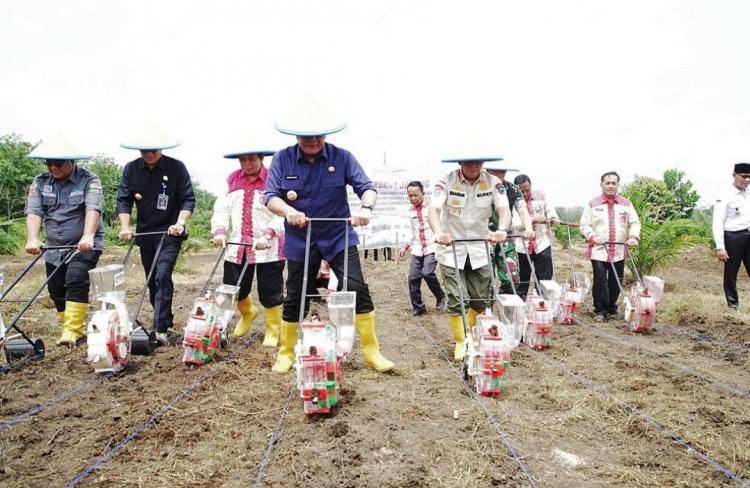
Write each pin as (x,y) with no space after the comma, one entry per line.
(161,202)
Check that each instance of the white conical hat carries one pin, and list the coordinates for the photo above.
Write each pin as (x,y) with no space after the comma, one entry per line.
(247,150)
(497,166)
(57,146)
(310,118)
(471,149)
(150,136)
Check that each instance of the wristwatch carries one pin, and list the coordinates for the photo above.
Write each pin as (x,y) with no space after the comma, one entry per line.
(368,207)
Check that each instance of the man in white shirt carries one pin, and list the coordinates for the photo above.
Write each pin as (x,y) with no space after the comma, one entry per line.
(731,229)
(461,207)
(539,247)
(422,247)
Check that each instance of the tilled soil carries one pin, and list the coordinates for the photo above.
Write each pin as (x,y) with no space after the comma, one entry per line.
(566,419)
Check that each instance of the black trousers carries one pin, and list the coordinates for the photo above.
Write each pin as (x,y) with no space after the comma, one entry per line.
(737,245)
(605,288)
(160,286)
(295,273)
(270,280)
(542,265)
(423,267)
(71,282)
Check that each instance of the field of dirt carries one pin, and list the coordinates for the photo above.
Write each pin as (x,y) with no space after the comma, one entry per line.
(601,407)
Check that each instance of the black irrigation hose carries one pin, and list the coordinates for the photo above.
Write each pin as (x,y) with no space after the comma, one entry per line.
(101,460)
(274,438)
(7,424)
(662,358)
(495,424)
(704,338)
(633,410)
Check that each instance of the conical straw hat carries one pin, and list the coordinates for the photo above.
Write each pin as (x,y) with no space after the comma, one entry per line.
(310,118)
(57,146)
(471,149)
(150,136)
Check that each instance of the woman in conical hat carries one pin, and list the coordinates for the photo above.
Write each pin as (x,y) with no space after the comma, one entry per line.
(240,216)
(161,189)
(68,199)
(309,179)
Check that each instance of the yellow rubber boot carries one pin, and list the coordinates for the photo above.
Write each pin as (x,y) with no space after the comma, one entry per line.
(457,327)
(74,323)
(471,321)
(248,311)
(288,338)
(273,324)
(365,323)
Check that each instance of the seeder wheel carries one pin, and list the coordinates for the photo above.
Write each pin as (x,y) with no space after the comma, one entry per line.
(19,348)
(143,342)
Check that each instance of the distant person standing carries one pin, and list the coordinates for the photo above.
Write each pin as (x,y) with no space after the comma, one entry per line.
(610,224)
(538,247)
(160,188)
(422,247)
(731,230)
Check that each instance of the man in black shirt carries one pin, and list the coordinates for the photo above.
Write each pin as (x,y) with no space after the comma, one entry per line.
(161,189)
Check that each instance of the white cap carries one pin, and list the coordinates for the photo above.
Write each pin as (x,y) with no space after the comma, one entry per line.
(150,136)
(310,118)
(57,146)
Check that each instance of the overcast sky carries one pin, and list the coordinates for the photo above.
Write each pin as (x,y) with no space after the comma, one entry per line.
(563,90)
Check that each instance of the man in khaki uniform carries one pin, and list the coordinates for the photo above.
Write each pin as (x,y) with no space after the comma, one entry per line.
(461,207)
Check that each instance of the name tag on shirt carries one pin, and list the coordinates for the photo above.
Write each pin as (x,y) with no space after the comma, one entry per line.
(161,202)
(48,191)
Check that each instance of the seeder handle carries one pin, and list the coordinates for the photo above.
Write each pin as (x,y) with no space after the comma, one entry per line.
(303,295)
(219,258)
(72,251)
(150,271)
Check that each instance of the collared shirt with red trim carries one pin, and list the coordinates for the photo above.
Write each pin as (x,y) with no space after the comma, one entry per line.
(613,220)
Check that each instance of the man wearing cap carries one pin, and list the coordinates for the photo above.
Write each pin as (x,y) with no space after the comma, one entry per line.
(731,230)
(506,251)
(161,189)
(309,179)
(240,216)
(461,206)
(539,247)
(422,247)
(610,224)
(68,199)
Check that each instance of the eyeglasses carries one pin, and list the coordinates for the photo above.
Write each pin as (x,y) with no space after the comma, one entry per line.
(56,162)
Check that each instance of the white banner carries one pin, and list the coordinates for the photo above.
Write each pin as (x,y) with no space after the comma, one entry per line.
(389,226)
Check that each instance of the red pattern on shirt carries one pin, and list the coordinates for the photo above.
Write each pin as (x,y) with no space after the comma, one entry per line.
(238,180)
